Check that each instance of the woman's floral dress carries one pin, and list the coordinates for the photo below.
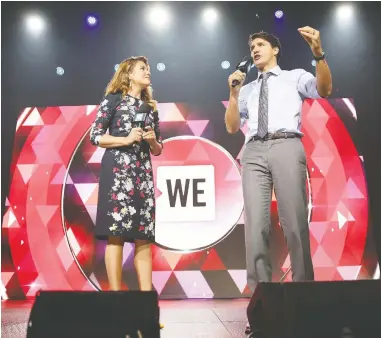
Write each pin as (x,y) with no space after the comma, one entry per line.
(126,200)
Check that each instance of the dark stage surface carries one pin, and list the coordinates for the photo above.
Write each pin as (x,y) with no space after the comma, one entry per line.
(183,318)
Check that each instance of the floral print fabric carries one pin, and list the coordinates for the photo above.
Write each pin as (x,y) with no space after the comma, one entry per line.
(126,201)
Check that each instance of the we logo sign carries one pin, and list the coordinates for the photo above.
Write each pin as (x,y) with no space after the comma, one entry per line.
(188,193)
(199,194)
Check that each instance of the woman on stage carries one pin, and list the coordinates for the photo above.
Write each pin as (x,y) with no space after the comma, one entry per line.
(126,200)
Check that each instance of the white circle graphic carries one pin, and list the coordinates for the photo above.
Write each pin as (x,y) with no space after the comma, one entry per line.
(199,196)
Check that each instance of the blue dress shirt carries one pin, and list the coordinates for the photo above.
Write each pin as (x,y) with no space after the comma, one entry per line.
(287,91)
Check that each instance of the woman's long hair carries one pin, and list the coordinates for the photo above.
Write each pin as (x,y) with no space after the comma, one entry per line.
(121,81)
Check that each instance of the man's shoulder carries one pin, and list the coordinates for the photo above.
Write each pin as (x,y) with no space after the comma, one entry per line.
(296,71)
(297,74)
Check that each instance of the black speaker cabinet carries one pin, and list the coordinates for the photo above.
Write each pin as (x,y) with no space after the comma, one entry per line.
(345,309)
(110,314)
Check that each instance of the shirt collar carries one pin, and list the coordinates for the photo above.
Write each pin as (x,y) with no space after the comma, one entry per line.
(276,71)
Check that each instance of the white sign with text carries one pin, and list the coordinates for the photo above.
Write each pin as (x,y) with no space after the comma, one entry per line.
(188,193)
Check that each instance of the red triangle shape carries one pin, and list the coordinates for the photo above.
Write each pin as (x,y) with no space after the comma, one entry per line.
(6,277)
(93,199)
(34,119)
(354,242)
(324,273)
(197,126)
(26,171)
(173,288)
(213,262)
(352,191)
(191,261)
(247,291)
(225,103)
(71,112)
(347,257)
(316,184)
(198,153)
(321,259)
(233,174)
(50,115)
(316,110)
(159,262)
(46,212)
(10,220)
(158,193)
(337,276)
(318,230)
(349,272)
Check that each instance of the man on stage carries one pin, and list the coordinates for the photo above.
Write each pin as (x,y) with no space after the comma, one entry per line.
(274,155)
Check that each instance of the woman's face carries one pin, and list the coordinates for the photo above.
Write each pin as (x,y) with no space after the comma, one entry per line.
(141,74)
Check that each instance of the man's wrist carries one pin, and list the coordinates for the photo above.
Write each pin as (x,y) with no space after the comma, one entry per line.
(234,96)
(318,53)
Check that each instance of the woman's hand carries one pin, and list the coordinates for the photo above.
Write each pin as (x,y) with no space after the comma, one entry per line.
(150,138)
(135,135)
(149,135)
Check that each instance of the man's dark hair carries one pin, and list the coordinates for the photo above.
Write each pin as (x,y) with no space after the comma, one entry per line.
(270,38)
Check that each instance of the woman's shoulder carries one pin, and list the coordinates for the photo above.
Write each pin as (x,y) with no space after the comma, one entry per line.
(113,96)
(113,99)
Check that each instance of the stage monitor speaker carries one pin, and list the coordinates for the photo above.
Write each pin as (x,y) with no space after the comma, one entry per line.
(110,314)
(345,309)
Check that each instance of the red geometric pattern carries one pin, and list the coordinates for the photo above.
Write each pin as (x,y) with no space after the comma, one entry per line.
(53,249)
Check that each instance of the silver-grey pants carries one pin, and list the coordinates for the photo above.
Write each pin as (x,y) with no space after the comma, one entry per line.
(279,163)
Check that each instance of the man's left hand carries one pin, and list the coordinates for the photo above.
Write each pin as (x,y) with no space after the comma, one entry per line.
(149,135)
(312,37)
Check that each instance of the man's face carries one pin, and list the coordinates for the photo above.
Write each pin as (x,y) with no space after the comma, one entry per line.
(262,52)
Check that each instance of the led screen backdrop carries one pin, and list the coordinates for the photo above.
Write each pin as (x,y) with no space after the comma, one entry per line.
(51,205)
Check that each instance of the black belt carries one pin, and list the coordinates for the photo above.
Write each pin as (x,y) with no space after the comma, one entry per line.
(275,136)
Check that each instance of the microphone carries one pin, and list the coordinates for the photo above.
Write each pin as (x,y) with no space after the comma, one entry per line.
(140,118)
(244,66)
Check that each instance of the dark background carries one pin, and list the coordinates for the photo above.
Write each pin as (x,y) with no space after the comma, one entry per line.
(192,55)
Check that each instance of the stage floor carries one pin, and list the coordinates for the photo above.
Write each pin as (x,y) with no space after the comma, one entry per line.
(182,318)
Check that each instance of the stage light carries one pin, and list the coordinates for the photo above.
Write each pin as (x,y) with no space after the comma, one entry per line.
(91,20)
(60,71)
(344,12)
(225,64)
(116,67)
(35,24)
(159,17)
(279,14)
(210,15)
(160,67)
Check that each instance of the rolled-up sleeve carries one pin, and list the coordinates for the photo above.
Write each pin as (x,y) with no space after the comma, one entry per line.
(102,121)
(242,106)
(307,85)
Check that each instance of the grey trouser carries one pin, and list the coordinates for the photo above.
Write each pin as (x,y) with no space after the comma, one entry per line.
(280,163)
